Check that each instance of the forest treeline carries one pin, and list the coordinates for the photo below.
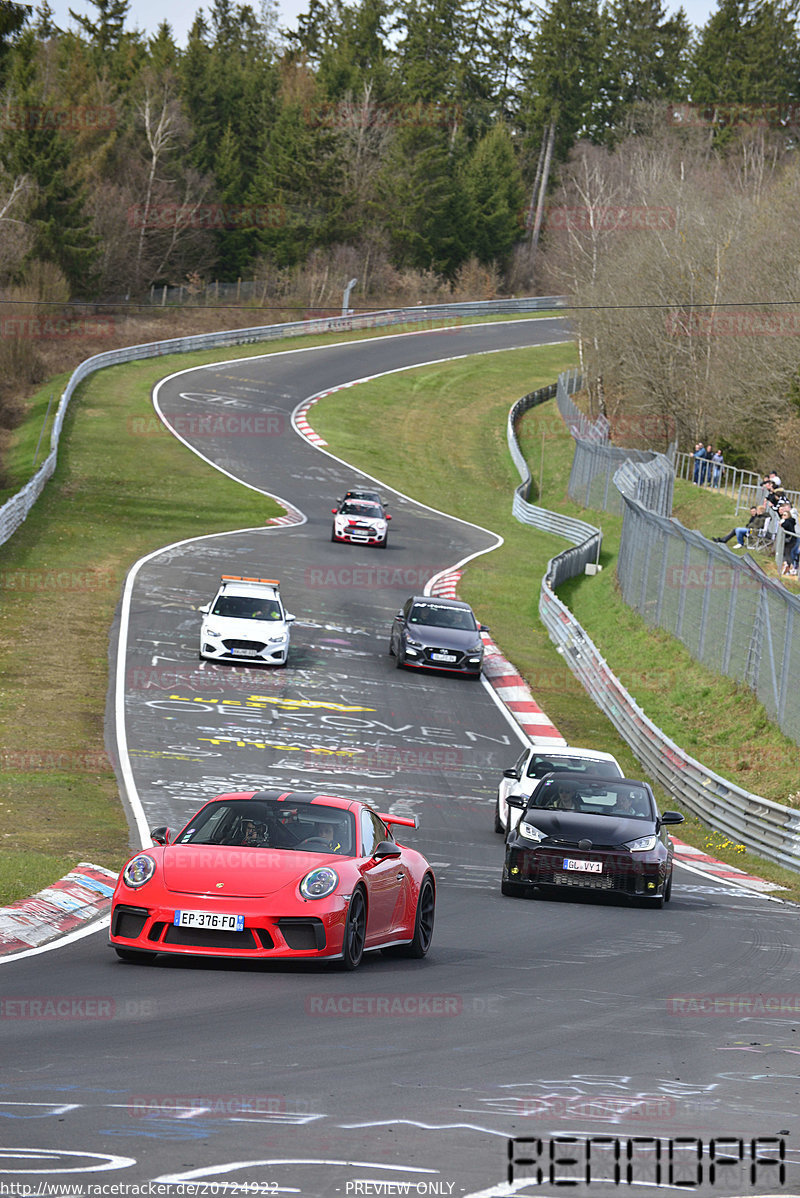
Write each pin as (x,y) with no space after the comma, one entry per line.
(604,150)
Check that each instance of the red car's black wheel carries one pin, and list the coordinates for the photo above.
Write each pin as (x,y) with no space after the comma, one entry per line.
(423,923)
(355,931)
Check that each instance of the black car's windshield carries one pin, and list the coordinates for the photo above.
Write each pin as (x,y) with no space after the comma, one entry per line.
(437,615)
(540,764)
(260,824)
(358,507)
(246,607)
(594,798)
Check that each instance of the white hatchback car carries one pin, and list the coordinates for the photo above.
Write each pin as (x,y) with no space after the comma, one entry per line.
(536,761)
(246,622)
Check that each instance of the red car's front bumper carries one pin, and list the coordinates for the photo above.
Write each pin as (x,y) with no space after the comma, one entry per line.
(269,936)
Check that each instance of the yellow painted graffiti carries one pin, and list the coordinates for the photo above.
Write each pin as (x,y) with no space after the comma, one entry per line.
(275,700)
(271,744)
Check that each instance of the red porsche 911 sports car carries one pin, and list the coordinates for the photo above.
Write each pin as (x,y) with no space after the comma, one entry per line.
(276,874)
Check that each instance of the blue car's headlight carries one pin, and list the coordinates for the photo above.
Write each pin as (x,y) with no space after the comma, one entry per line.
(412,643)
(139,870)
(319,883)
(644,844)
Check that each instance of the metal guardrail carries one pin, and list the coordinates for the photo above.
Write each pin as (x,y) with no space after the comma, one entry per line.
(767,828)
(15,510)
(585,537)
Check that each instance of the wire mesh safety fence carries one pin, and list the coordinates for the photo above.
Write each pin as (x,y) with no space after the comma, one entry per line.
(669,578)
(722,607)
(15,510)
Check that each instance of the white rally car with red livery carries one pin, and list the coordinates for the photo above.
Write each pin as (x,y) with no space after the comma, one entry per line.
(360,522)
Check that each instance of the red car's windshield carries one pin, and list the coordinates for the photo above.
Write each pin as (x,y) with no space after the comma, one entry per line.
(262,823)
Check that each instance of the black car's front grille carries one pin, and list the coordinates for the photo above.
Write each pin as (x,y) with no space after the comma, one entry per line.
(545,867)
(257,646)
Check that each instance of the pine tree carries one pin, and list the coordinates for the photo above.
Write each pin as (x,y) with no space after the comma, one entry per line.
(41,151)
(747,53)
(646,56)
(105,33)
(562,89)
(12,20)
(493,185)
(425,209)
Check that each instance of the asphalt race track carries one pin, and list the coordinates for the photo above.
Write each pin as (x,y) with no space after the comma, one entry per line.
(628,1028)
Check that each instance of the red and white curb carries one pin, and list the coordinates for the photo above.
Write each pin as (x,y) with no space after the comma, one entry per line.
(687,854)
(301,420)
(510,687)
(292,517)
(83,895)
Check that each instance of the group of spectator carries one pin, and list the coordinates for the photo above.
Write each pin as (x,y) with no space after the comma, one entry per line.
(776,509)
(708,463)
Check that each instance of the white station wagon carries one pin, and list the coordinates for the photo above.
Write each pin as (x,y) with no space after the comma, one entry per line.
(246,622)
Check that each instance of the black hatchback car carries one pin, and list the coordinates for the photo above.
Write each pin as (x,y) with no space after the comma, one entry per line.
(430,633)
(591,834)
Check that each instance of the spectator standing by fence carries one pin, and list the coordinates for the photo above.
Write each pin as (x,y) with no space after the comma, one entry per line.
(790,539)
(705,465)
(717,462)
(699,458)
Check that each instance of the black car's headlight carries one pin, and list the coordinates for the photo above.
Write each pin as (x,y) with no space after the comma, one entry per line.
(645,844)
(139,870)
(413,644)
(319,883)
(530,832)
(476,648)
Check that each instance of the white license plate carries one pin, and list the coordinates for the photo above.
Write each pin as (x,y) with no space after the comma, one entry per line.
(244,652)
(209,919)
(584,867)
(443,657)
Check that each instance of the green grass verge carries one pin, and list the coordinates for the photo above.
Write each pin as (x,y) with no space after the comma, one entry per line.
(440,437)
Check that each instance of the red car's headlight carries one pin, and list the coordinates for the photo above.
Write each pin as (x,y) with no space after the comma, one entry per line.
(139,870)
(319,883)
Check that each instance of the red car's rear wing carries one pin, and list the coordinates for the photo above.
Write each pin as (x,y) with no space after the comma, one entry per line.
(408,821)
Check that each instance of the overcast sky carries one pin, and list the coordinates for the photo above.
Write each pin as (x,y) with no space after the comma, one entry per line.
(148,14)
